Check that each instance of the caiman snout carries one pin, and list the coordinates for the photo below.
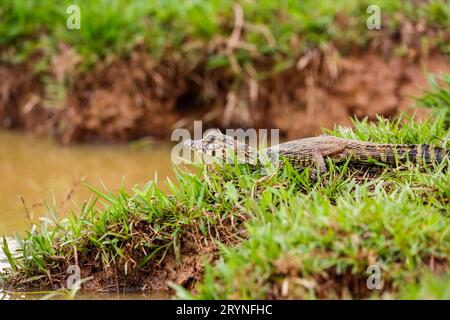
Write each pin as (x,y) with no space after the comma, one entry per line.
(194,144)
(188,143)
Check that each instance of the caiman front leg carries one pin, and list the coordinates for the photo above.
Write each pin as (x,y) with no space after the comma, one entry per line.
(318,164)
(268,162)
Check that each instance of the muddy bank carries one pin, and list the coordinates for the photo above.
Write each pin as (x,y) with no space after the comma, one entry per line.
(125,275)
(146,261)
(126,99)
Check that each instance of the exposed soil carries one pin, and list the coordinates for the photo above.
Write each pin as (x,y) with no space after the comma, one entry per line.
(363,85)
(154,277)
(20,100)
(126,99)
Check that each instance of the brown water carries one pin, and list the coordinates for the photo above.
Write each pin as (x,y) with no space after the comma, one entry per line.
(35,171)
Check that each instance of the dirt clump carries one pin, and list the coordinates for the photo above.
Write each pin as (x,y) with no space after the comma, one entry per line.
(147,262)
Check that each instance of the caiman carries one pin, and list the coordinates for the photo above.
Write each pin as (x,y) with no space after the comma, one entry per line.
(312,152)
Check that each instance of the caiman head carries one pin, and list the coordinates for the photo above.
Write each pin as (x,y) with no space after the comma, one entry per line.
(222,147)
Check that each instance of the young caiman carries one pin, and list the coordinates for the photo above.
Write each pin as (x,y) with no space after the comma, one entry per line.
(312,152)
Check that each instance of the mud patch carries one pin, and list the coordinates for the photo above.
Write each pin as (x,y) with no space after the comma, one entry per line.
(21,100)
(154,277)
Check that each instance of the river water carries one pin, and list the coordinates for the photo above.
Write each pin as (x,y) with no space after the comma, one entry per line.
(36,172)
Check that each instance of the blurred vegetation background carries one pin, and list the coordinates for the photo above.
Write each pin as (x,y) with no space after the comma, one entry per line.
(143,68)
(279,29)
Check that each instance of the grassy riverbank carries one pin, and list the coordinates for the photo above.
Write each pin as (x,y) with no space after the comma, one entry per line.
(282,236)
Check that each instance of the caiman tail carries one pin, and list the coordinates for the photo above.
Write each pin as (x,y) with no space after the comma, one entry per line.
(392,153)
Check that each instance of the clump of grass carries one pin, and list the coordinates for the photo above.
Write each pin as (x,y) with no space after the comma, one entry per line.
(297,238)
(438,97)
(132,236)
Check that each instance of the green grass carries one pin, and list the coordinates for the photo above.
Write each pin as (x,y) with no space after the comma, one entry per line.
(430,287)
(199,29)
(438,97)
(282,236)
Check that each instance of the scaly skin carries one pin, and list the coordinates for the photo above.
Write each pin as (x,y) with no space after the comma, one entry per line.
(311,152)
